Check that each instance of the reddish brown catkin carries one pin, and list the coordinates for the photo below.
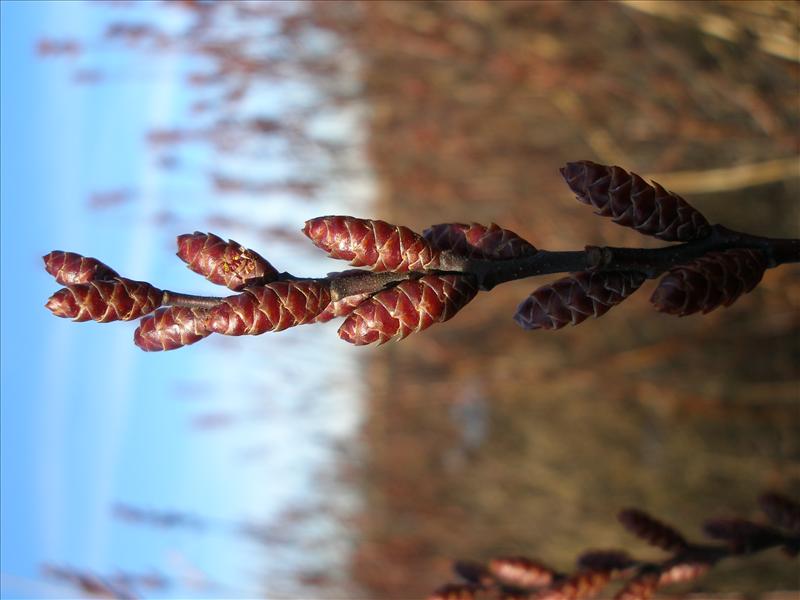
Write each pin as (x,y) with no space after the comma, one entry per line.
(742,535)
(103,301)
(651,530)
(408,307)
(374,244)
(630,201)
(171,328)
(272,307)
(714,280)
(70,268)
(521,572)
(584,584)
(641,587)
(682,572)
(573,299)
(605,560)
(454,591)
(224,263)
(478,241)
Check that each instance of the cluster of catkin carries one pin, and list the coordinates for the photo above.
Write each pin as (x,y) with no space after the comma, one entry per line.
(432,277)
(701,285)
(524,578)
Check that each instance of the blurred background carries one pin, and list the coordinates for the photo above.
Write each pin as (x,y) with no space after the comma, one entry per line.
(295,466)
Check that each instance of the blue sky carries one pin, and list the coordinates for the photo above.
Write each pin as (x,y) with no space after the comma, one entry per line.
(87,418)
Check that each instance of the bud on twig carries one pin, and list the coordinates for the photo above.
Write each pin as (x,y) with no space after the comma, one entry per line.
(478,241)
(521,572)
(683,572)
(408,307)
(583,584)
(716,279)
(573,299)
(70,268)
(651,530)
(272,307)
(630,201)
(641,587)
(103,301)
(742,535)
(370,243)
(224,263)
(171,328)
(605,560)
(454,591)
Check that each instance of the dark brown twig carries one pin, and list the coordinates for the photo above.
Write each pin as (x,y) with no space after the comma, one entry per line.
(652,262)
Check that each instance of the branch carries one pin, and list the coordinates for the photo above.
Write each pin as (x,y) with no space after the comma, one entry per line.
(417,280)
(525,578)
(651,262)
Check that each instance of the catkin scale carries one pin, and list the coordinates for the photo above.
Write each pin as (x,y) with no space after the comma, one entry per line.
(375,244)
